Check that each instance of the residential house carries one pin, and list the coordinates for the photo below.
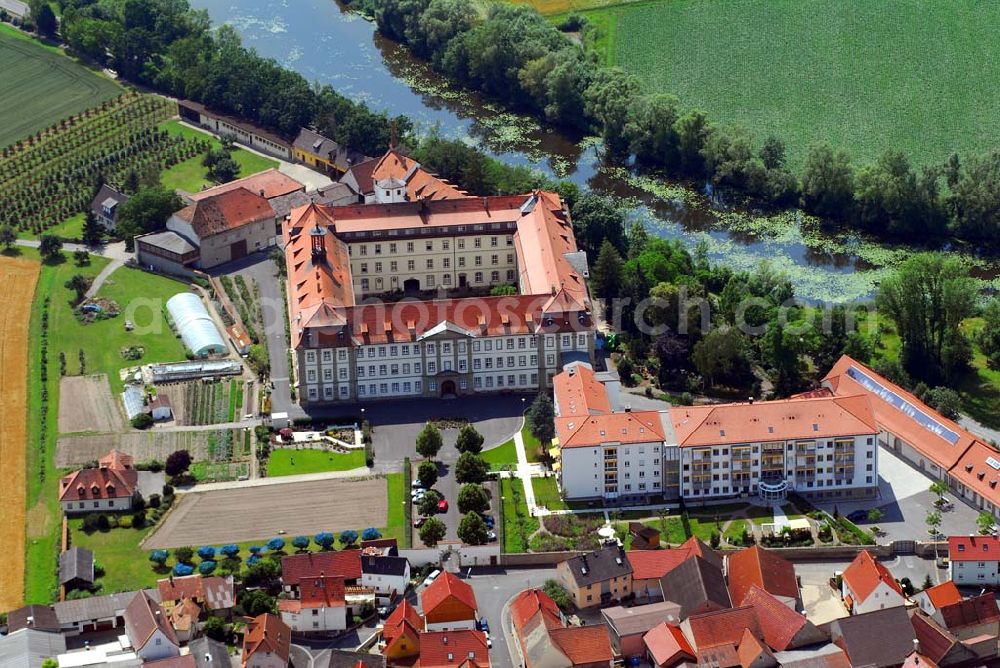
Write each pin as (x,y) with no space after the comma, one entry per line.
(36,617)
(783,627)
(29,648)
(880,639)
(109,487)
(106,205)
(544,640)
(666,646)
(975,621)
(867,585)
(644,537)
(716,636)
(214,593)
(628,626)
(931,600)
(697,585)
(321,606)
(974,560)
(96,613)
(386,575)
(149,630)
(236,129)
(344,564)
(324,155)
(453,648)
(597,578)
(401,633)
(209,653)
(183,661)
(448,603)
(648,566)
(752,652)
(225,227)
(397,177)
(267,642)
(184,619)
(828,655)
(386,547)
(763,568)
(938,645)
(583,646)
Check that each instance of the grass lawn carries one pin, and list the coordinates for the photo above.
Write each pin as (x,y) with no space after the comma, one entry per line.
(42,86)
(914,75)
(190,175)
(141,297)
(517,525)
(547,493)
(734,533)
(71,228)
(502,455)
(293,462)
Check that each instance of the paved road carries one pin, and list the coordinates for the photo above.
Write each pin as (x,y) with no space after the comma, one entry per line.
(113,251)
(494,591)
(361,472)
(103,276)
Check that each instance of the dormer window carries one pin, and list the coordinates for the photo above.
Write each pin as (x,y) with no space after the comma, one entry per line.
(961,548)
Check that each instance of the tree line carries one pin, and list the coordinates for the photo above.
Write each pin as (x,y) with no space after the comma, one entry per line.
(513,54)
(167,46)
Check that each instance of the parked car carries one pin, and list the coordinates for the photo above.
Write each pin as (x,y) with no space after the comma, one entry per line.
(432,576)
(385,610)
(489,641)
(491,535)
(858,516)
(443,506)
(416,485)
(419,522)
(489,521)
(484,624)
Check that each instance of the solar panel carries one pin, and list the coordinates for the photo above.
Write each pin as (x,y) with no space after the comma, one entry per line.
(993,462)
(904,406)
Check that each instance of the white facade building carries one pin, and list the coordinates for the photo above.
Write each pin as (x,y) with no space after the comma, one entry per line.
(974,560)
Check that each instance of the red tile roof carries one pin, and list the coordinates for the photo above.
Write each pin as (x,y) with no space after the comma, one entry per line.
(271,181)
(227,211)
(763,568)
(943,594)
(447,586)
(420,183)
(700,549)
(143,617)
(186,661)
(116,459)
(654,564)
(345,564)
(751,649)
(532,602)
(722,627)
(579,392)
(971,611)
(266,634)
(976,469)
(917,660)
(935,641)
(667,644)
(316,593)
(783,628)
(583,644)
(404,620)
(865,573)
(773,421)
(973,548)
(447,649)
(589,430)
(99,483)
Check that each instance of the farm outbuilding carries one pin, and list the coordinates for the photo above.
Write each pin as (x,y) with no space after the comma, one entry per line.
(196,327)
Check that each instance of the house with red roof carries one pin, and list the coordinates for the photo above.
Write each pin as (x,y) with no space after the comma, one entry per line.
(974,620)
(449,603)
(783,628)
(667,647)
(321,606)
(932,599)
(226,226)
(401,633)
(867,585)
(648,566)
(939,645)
(715,636)
(295,568)
(974,560)
(759,567)
(545,641)
(109,487)
(149,630)
(267,642)
(453,648)
(214,593)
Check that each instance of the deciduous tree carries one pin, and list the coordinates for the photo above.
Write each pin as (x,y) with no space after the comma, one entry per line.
(472,499)
(429,441)
(472,530)
(469,440)
(432,531)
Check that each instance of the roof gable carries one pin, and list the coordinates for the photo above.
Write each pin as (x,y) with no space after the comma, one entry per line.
(143,618)
(757,566)
(864,575)
(447,587)
(267,634)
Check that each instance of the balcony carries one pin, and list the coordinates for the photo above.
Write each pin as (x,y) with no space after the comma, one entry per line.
(701,457)
(741,466)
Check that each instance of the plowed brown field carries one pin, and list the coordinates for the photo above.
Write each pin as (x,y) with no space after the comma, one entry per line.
(18,280)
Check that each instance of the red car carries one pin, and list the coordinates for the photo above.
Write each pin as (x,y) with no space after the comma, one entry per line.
(443,506)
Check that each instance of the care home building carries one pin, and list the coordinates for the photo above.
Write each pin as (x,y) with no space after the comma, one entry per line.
(393,298)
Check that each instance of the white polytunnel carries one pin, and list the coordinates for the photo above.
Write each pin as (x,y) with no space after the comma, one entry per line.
(195,325)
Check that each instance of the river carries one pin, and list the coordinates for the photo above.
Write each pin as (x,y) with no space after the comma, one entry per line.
(329,45)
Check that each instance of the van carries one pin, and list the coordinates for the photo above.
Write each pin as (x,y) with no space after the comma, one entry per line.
(432,576)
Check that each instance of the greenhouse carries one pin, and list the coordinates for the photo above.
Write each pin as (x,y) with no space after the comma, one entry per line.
(195,325)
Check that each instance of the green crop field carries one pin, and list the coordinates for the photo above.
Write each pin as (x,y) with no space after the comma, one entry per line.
(920,76)
(42,86)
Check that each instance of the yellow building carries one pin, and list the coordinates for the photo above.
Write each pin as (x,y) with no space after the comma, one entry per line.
(324,155)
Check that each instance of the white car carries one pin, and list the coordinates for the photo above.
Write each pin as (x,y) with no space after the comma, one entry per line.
(432,576)
(489,641)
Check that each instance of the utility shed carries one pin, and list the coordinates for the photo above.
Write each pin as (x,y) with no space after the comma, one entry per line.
(196,327)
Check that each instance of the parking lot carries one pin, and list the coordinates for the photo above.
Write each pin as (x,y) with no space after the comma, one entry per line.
(904,496)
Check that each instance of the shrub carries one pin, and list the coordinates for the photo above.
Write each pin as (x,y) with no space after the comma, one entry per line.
(348,537)
(184,554)
(142,421)
(215,628)
(178,462)
(158,557)
(276,544)
(371,533)
(206,567)
(324,540)
(558,594)
(154,501)
(300,543)
(206,552)
(181,570)
(90,522)
(230,550)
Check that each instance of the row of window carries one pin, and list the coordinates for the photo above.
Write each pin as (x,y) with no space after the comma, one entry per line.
(430,281)
(429,245)
(755,462)
(411,265)
(698,490)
